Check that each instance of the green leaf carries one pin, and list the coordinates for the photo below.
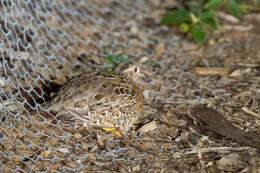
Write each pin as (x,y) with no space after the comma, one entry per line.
(212,4)
(207,14)
(176,17)
(198,33)
(110,59)
(184,27)
(116,59)
(213,23)
(209,18)
(234,8)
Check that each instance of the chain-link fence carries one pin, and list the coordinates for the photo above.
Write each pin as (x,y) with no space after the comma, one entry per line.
(42,45)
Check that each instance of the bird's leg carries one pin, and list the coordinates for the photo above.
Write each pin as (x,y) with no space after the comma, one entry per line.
(113,130)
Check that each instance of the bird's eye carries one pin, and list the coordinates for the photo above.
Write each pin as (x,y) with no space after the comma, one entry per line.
(135,69)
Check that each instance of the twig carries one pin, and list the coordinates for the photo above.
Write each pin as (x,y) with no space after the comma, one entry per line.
(208,150)
(250,112)
(200,157)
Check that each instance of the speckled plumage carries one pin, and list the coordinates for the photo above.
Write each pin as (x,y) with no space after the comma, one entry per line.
(105,99)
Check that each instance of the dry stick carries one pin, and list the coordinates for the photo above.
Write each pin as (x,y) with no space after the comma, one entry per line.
(209,150)
(250,112)
(200,157)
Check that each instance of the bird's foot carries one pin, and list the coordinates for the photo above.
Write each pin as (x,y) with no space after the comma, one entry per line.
(113,130)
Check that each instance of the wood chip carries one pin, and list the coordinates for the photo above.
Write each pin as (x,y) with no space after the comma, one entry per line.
(148,127)
(144,59)
(136,168)
(236,73)
(229,159)
(190,47)
(212,70)
(239,28)
(77,136)
(239,72)
(249,65)
(134,29)
(228,17)
(160,48)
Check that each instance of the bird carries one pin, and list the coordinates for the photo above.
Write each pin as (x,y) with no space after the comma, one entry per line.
(107,99)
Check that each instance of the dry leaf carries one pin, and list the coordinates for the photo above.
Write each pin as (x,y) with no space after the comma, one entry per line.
(160,49)
(148,127)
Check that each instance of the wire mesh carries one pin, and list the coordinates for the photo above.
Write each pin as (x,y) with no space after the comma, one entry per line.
(43,43)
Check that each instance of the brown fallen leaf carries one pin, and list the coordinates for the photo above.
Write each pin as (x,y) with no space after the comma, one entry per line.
(148,127)
(160,48)
(211,120)
(212,70)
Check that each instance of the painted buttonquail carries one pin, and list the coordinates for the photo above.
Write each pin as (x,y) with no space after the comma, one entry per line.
(110,100)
